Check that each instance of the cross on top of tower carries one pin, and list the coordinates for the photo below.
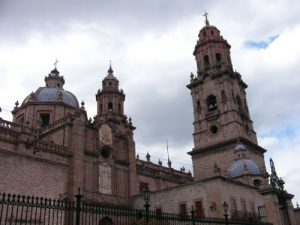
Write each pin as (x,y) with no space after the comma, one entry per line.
(55,63)
(206,20)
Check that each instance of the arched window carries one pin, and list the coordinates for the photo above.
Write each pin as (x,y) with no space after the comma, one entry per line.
(198,105)
(110,106)
(239,102)
(212,32)
(211,102)
(218,58)
(101,108)
(206,61)
(119,108)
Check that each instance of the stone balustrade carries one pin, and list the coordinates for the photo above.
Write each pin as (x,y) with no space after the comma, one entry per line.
(54,148)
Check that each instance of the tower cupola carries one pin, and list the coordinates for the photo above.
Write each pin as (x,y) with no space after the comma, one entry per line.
(110,82)
(110,99)
(212,51)
(54,80)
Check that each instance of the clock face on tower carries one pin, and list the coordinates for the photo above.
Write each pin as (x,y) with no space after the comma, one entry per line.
(105,135)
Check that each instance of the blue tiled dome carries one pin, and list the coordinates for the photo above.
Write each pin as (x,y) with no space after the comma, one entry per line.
(240,147)
(238,168)
(46,94)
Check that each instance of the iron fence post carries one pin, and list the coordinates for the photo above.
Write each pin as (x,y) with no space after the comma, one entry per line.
(193,216)
(147,212)
(78,206)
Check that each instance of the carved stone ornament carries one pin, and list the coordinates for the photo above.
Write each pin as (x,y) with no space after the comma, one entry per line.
(105,135)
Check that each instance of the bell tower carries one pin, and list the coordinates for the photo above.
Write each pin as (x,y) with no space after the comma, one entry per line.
(221,116)
(115,142)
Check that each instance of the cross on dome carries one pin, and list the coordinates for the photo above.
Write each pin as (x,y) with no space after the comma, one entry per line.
(206,20)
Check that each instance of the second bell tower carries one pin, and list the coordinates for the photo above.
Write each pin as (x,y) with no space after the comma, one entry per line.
(221,116)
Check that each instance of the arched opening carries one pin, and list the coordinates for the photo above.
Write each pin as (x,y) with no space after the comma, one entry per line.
(206,62)
(198,105)
(212,32)
(239,103)
(106,221)
(110,106)
(257,183)
(218,58)
(204,34)
(119,108)
(101,108)
(211,102)
(213,129)
(45,119)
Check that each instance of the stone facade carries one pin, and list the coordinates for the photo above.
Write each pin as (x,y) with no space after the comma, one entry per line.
(51,149)
(211,193)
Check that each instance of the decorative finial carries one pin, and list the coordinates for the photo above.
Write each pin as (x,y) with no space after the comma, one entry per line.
(159,162)
(206,20)
(82,105)
(148,157)
(110,69)
(55,63)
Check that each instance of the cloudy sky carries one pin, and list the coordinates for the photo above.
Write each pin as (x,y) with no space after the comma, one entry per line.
(150,44)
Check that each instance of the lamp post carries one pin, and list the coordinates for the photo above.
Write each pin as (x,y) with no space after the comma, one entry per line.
(225,207)
(146,194)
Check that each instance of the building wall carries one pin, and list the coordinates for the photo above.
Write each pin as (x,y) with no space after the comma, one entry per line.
(212,193)
(42,174)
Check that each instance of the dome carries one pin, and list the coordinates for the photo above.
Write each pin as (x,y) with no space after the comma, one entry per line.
(238,168)
(240,147)
(46,94)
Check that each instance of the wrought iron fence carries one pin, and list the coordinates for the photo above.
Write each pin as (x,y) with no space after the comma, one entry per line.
(28,210)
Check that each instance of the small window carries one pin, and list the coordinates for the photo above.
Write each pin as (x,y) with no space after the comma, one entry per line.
(211,103)
(182,209)
(119,108)
(233,208)
(158,211)
(213,129)
(101,108)
(110,106)
(243,207)
(204,34)
(198,105)
(218,57)
(257,183)
(45,118)
(199,209)
(58,85)
(109,83)
(212,32)
(206,61)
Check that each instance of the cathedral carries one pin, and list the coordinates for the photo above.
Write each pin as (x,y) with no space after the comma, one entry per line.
(51,148)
